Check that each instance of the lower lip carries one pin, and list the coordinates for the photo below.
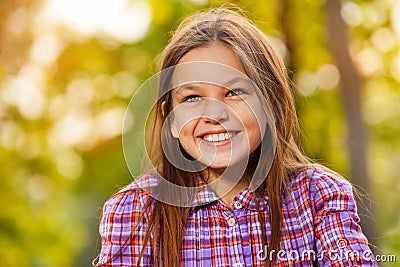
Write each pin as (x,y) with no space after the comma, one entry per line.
(219,143)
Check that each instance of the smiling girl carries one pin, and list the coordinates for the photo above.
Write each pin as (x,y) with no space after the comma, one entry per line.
(254,199)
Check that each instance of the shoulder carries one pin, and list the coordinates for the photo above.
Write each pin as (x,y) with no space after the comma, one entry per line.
(319,180)
(125,216)
(132,198)
(322,187)
(319,176)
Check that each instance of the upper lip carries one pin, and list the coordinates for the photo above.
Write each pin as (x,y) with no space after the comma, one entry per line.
(217,132)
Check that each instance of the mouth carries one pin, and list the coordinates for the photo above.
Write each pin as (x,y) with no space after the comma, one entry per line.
(218,137)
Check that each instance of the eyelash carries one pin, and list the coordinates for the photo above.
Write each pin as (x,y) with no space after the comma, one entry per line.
(233,92)
(190,97)
(236,92)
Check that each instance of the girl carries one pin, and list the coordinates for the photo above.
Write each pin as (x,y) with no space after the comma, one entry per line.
(254,199)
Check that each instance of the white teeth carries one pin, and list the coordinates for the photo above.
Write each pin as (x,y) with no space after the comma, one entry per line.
(208,138)
(218,137)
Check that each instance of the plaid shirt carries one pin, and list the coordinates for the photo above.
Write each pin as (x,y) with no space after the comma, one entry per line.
(319,227)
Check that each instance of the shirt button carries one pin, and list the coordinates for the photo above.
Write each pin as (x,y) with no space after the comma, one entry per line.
(238,205)
(231,221)
(238,264)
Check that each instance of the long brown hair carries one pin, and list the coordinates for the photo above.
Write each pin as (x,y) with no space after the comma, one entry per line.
(264,67)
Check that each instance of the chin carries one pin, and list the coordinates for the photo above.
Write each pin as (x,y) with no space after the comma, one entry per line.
(218,166)
(232,163)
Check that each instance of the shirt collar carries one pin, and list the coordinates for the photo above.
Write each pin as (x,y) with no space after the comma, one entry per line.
(247,198)
(204,195)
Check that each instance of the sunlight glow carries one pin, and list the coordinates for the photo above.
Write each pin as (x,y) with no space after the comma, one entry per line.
(395,68)
(25,92)
(37,187)
(125,84)
(46,49)
(351,13)
(396,17)
(199,2)
(72,129)
(307,82)
(373,112)
(11,135)
(374,15)
(328,76)
(369,61)
(109,123)
(80,92)
(18,21)
(123,20)
(384,39)
(69,163)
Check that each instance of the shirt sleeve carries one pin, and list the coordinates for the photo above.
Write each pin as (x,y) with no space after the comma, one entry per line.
(339,240)
(122,229)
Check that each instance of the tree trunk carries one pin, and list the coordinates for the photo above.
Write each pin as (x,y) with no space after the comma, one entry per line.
(350,90)
(284,10)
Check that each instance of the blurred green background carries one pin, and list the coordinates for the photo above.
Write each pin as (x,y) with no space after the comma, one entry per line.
(69,68)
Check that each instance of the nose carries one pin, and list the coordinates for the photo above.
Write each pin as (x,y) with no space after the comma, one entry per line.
(215,111)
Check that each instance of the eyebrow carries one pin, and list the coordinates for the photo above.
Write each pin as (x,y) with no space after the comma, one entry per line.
(194,85)
(186,87)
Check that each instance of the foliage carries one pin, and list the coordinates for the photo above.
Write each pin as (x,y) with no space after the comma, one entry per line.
(63,96)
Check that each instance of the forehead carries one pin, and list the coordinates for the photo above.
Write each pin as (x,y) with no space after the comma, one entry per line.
(216,52)
(215,63)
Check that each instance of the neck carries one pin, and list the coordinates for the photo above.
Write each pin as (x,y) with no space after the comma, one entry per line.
(228,183)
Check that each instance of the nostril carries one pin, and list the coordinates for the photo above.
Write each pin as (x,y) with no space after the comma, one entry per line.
(216,116)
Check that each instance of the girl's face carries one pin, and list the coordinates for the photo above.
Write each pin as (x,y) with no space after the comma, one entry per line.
(218,125)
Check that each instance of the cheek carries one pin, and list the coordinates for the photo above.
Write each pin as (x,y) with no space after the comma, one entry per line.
(184,119)
(188,142)
(186,130)
(254,125)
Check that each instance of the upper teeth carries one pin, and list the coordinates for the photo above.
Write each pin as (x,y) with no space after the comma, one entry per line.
(217,137)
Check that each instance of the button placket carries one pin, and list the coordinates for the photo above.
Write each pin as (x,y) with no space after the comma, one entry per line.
(238,204)
(231,221)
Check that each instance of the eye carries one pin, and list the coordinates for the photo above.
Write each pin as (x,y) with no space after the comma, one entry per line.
(192,98)
(236,92)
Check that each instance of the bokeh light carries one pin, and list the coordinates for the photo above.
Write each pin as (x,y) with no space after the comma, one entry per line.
(69,68)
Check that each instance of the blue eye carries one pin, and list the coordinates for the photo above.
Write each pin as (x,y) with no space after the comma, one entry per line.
(236,92)
(192,98)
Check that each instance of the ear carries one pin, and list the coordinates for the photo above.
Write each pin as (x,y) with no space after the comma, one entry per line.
(174,127)
(163,108)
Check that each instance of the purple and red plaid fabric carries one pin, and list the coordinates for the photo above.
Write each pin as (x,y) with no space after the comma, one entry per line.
(319,227)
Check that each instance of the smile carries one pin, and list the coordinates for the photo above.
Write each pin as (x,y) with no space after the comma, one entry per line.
(218,137)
